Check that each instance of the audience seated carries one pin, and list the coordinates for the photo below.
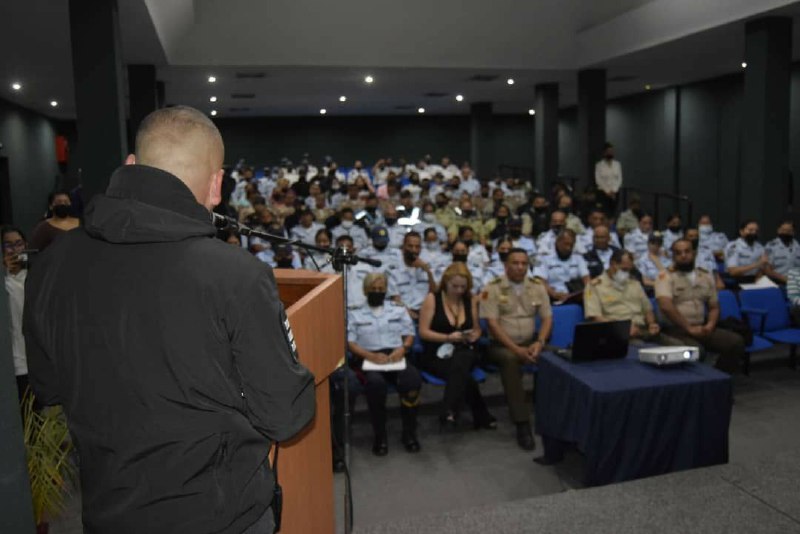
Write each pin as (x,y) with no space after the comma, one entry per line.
(745,258)
(636,240)
(714,242)
(655,261)
(565,273)
(783,253)
(600,251)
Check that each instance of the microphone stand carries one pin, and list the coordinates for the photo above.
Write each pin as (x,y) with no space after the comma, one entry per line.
(342,258)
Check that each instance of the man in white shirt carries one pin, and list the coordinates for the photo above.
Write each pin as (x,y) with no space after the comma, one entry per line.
(306,231)
(469,183)
(356,171)
(608,177)
(15,273)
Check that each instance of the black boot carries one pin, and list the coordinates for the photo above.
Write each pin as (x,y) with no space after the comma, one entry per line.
(409,439)
(380,446)
(525,437)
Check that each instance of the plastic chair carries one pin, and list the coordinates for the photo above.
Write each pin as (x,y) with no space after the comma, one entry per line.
(565,317)
(729,307)
(768,315)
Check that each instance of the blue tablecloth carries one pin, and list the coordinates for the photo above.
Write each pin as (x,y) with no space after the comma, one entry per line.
(633,420)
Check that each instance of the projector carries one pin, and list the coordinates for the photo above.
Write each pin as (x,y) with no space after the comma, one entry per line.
(668,355)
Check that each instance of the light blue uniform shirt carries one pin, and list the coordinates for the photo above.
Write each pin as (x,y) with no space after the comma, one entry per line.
(712,241)
(390,258)
(358,234)
(783,258)
(738,253)
(648,267)
(586,239)
(557,272)
(636,243)
(411,283)
(375,330)
(306,235)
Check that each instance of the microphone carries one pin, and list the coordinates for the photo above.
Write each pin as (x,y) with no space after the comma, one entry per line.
(223,221)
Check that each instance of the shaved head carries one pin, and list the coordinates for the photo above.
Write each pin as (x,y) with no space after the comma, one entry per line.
(184,142)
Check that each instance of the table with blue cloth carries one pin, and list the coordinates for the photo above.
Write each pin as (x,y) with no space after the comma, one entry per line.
(631,419)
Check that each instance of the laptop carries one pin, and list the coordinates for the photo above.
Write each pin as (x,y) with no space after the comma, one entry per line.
(598,341)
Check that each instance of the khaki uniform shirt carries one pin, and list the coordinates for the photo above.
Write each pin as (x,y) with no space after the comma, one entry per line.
(689,296)
(515,313)
(603,297)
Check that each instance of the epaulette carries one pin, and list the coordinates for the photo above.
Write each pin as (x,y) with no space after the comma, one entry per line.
(702,270)
(496,280)
(671,268)
(596,281)
(535,279)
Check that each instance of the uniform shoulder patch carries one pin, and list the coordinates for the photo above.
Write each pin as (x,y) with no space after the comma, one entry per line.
(671,269)
(496,281)
(484,295)
(535,279)
(702,270)
(596,281)
(286,328)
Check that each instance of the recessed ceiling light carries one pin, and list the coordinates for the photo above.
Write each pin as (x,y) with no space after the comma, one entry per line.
(648,87)
(212,99)
(531,112)
(421,110)
(459,98)
(213,112)
(16,86)
(510,81)
(212,79)
(744,65)
(369,79)
(323,111)
(342,98)
(53,103)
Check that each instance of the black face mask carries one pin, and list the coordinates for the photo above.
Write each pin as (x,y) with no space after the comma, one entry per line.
(674,229)
(540,210)
(786,239)
(515,233)
(391,221)
(410,257)
(382,246)
(441,204)
(557,228)
(460,257)
(750,238)
(562,256)
(284,263)
(469,242)
(685,267)
(61,211)
(638,212)
(695,243)
(376,298)
(371,211)
(503,256)
(468,213)
(565,210)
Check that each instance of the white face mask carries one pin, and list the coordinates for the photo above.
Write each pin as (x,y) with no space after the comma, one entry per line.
(347,224)
(705,229)
(621,277)
(432,245)
(429,217)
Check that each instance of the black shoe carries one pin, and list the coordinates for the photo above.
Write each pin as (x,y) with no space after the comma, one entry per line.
(380,447)
(338,465)
(448,422)
(486,421)
(525,437)
(410,442)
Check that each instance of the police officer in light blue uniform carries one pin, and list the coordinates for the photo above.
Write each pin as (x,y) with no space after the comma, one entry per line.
(783,252)
(348,226)
(714,242)
(636,240)
(356,275)
(497,267)
(306,231)
(382,333)
(745,258)
(396,231)
(390,258)
(432,252)
(673,232)
(562,267)
(414,278)
(654,261)
(520,241)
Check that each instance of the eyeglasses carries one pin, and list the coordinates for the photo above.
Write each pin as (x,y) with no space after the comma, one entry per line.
(13,245)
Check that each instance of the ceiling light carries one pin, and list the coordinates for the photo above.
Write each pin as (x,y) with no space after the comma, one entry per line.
(744,65)
(342,98)
(421,110)
(369,79)
(510,81)
(213,112)
(531,112)
(459,98)
(16,86)
(53,103)
(648,87)
(212,79)
(323,111)
(212,99)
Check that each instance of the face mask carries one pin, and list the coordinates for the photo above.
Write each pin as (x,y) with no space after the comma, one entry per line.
(502,220)
(751,238)
(429,217)
(371,211)
(410,257)
(786,238)
(347,224)
(61,211)
(609,157)
(376,298)
(468,213)
(556,228)
(432,245)
(469,242)
(705,229)
(621,277)
(381,246)
(685,267)
(442,204)
(562,256)
(284,263)
(391,221)
(540,210)
(460,257)
(515,233)
(503,256)
(674,229)
(565,210)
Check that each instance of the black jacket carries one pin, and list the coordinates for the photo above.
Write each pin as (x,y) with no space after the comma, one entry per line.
(594,263)
(168,351)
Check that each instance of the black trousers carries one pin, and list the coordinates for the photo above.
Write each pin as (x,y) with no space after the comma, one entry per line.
(355,388)
(457,371)
(376,387)
(22,385)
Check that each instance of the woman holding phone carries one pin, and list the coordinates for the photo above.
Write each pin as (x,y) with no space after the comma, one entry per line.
(448,325)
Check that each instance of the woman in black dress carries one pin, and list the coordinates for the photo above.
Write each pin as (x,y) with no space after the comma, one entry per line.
(448,323)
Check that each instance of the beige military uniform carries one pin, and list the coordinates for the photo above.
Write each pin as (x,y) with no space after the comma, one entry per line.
(515,308)
(690,292)
(604,298)
(479,228)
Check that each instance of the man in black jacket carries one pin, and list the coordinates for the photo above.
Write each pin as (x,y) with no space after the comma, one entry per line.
(168,349)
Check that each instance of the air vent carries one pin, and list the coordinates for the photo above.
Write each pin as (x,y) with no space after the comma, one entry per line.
(621,78)
(250,75)
(403,108)
(483,78)
(235,110)
(243,95)
(434,94)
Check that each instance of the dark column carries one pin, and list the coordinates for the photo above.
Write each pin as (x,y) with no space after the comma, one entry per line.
(142,93)
(16,512)
(591,120)
(482,140)
(764,188)
(99,96)
(545,137)
(161,94)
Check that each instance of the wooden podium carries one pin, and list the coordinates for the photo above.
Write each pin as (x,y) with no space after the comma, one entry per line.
(314,306)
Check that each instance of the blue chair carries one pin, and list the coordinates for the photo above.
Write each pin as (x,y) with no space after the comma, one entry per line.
(565,317)
(768,315)
(729,307)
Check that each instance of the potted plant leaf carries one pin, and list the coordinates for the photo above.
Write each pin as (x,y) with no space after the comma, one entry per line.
(48,446)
